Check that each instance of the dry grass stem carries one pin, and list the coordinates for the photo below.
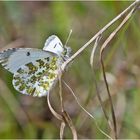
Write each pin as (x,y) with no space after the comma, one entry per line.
(100,100)
(66,118)
(62,128)
(68,121)
(58,116)
(60,90)
(103,68)
(89,114)
(93,50)
(96,87)
(134,4)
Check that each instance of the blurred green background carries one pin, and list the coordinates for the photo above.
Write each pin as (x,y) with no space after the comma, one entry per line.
(28,24)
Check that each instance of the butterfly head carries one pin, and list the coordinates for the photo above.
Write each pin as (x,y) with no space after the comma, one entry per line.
(67,52)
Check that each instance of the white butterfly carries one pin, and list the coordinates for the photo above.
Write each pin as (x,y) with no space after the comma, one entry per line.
(35,71)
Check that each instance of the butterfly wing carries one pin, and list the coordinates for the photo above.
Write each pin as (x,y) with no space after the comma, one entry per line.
(13,59)
(54,45)
(35,71)
(37,77)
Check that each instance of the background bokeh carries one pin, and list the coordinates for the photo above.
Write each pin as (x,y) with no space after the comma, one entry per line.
(28,24)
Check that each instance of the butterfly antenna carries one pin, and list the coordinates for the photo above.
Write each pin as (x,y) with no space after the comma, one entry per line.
(68,37)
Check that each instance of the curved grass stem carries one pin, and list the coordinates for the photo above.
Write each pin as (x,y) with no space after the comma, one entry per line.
(103,67)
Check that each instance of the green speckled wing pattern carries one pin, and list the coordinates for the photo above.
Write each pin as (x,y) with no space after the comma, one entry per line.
(37,77)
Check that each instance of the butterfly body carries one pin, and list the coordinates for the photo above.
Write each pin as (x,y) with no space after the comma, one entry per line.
(35,71)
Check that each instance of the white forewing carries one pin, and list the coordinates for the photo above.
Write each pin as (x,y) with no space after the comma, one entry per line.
(54,45)
(12,59)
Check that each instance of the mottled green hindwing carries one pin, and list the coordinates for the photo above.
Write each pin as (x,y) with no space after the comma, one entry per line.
(37,77)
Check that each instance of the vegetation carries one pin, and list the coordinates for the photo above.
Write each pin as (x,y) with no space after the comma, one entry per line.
(28,24)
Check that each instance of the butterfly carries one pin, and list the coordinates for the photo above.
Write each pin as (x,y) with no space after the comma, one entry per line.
(35,71)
